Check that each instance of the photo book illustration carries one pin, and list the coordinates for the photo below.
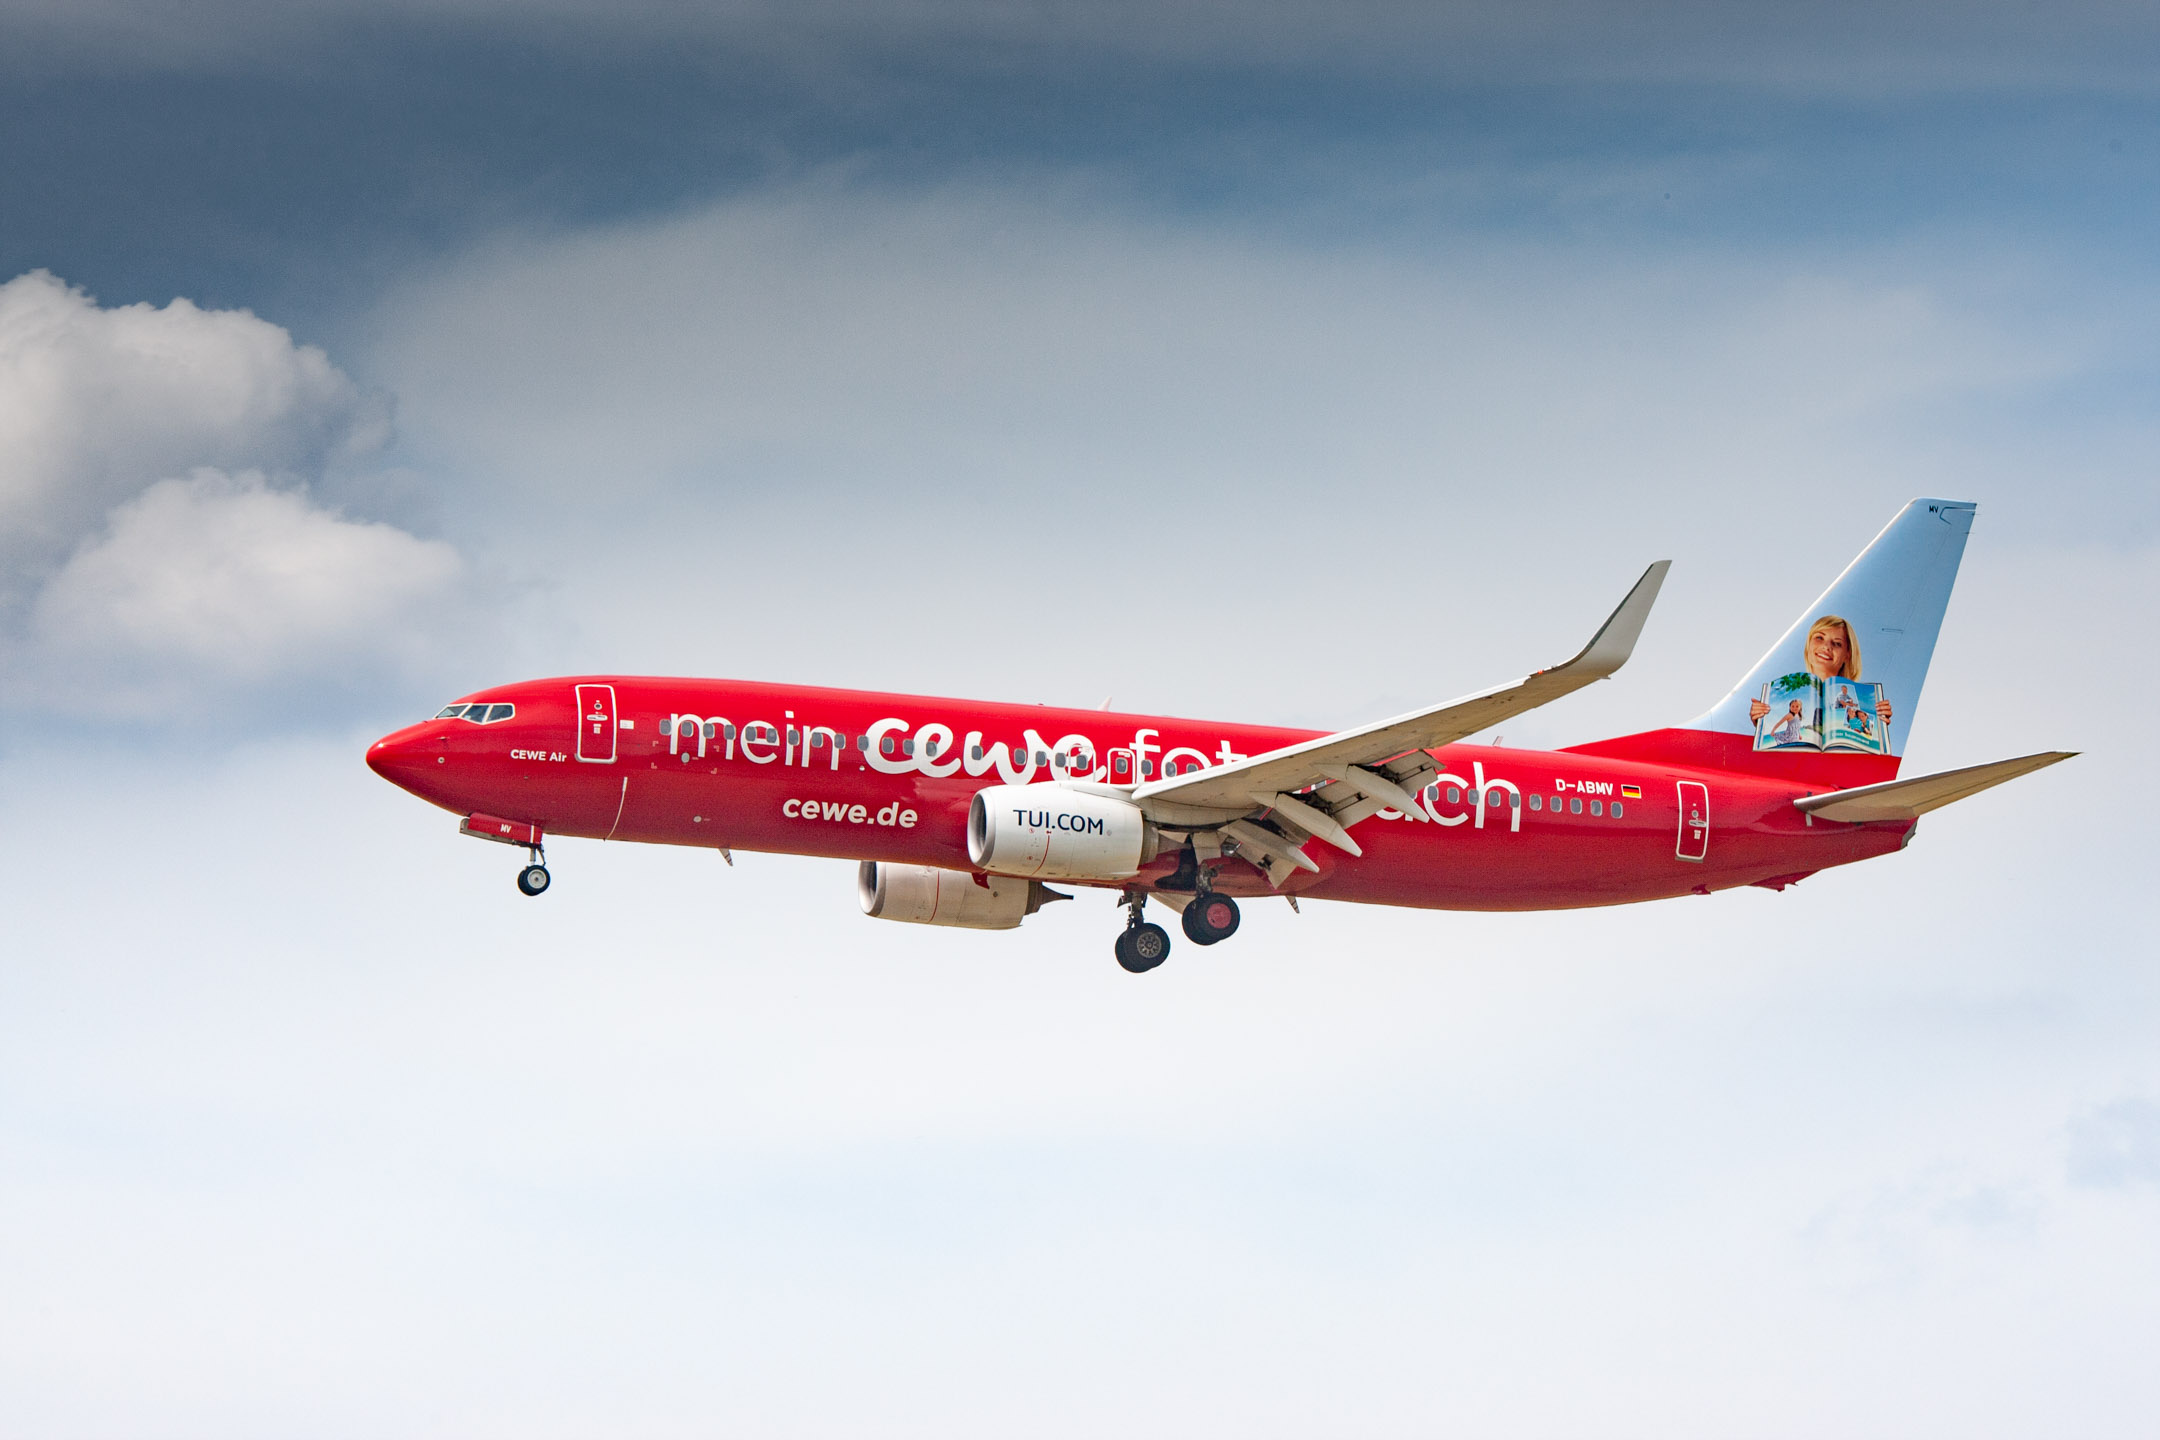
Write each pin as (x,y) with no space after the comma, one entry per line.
(1808,712)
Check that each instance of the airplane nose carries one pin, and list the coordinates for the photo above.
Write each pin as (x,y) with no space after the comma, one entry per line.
(397,757)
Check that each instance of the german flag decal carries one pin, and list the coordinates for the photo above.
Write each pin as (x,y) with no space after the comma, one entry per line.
(1631,792)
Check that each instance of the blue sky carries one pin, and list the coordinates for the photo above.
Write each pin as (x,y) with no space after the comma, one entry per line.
(350,361)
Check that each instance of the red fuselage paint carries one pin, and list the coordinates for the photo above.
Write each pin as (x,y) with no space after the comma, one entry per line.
(588,756)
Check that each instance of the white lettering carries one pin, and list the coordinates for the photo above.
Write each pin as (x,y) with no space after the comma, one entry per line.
(1432,799)
(756,732)
(936,755)
(895,763)
(1484,786)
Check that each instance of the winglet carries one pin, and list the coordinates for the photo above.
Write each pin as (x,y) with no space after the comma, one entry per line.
(1609,649)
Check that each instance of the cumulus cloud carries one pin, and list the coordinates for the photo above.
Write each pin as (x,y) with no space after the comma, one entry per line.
(97,403)
(157,532)
(220,578)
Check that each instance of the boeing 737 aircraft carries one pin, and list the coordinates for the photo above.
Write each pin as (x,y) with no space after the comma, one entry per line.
(959,811)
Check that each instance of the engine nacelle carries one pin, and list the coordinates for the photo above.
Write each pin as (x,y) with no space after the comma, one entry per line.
(1059,832)
(923,895)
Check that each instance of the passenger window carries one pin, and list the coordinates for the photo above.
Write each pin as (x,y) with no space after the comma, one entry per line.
(791,735)
(1575,806)
(974,752)
(1454,792)
(1147,768)
(1019,755)
(727,728)
(711,729)
(862,743)
(1514,800)
(1537,802)
(1617,812)
(1492,799)
(907,747)
(1597,807)
(885,745)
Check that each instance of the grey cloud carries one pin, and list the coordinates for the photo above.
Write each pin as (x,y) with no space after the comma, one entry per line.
(1899,47)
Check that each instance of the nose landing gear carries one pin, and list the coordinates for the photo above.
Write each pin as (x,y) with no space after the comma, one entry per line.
(533,879)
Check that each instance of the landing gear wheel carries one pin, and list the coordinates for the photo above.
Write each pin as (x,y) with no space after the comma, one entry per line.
(533,879)
(1210,918)
(1143,947)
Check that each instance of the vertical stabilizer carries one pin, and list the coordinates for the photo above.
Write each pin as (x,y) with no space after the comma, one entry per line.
(1835,697)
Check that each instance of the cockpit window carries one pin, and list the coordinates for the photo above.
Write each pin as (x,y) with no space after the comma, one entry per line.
(482,714)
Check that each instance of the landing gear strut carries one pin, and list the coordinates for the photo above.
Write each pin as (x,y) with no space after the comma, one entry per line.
(1143,946)
(534,877)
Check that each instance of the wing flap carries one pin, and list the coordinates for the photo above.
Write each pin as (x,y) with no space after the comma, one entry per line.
(1228,789)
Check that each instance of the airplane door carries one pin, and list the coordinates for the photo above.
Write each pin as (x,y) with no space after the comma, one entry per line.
(596,723)
(1694,820)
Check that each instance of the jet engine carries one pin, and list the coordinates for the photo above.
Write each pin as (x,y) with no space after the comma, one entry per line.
(924,895)
(1059,832)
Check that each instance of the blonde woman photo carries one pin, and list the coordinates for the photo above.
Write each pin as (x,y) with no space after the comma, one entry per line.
(1831,653)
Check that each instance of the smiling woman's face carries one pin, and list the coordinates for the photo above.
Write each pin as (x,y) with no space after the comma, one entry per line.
(1827,649)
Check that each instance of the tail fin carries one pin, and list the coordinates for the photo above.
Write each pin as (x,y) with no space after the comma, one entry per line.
(1834,698)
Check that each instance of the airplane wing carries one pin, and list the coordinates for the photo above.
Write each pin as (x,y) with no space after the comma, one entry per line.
(1910,799)
(1264,805)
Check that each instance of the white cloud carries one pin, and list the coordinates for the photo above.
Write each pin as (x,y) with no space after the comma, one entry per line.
(219,578)
(156,529)
(97,403)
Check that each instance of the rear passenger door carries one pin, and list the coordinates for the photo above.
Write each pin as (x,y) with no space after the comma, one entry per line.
(1694,842)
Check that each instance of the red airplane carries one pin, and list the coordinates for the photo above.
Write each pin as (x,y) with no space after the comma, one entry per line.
(958,811)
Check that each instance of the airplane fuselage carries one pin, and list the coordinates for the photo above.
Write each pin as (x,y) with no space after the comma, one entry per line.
(867,776)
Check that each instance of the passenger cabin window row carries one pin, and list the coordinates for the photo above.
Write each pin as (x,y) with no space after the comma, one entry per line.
(479,714)
(1496,798)
(1574,805)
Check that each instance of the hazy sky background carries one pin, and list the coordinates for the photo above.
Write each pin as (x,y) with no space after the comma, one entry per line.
(1278,363)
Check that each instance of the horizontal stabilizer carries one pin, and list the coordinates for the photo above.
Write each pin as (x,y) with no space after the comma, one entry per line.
(1909,799)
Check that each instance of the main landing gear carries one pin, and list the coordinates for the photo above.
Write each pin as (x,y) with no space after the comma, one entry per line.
(1144,945)
(1208,918)
(533,879)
